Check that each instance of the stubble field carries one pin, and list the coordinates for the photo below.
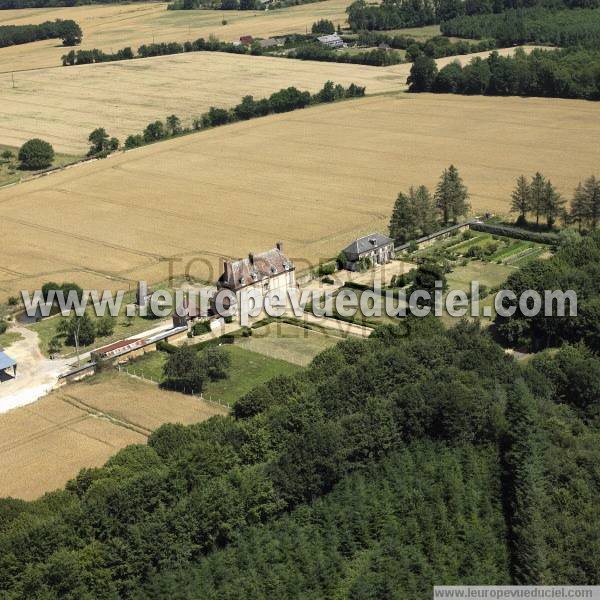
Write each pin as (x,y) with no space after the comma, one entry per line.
(64,105)
(116,26)
(315,179)
(47,443)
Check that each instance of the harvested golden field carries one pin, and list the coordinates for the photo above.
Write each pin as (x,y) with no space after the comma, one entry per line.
(64,105)
(314,178)
(116,26)
(82,425)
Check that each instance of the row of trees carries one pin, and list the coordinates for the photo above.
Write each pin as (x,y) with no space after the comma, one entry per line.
(394,14)
(419,213)
(17,4)
(377,57)
(284,100)
(318,472)
(562,28)
(568,73)
(436,47)
(68,31)
(212,44)
(538,197)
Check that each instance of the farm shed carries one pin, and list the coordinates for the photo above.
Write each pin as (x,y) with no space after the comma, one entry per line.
(376,247)
(6,362)
(331,41)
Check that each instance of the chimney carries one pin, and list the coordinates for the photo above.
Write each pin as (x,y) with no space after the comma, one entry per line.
(279,246)
(251,258)
(227,270)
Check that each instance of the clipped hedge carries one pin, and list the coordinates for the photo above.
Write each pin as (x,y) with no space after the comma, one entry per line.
(516,233)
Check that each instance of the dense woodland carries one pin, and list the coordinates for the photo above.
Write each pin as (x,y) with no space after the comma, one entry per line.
(396,14)
(68,31)
(568,73)
(537,25)
(11,4)
(576,266)
(420,455)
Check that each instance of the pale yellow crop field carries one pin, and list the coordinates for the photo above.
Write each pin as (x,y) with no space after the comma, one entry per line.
(64,105)
(314,178)
(45,444)
(116,26)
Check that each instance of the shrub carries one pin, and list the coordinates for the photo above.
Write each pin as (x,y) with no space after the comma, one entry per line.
(327,268)
(200,328)
(13,301)
(3,327)
(36,154)
(164,346)
(105,326)
(134,141)
(328,280)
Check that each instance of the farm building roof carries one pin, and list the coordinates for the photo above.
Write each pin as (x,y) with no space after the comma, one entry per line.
(6,362)
(255,267)
(368,242)
(118,348)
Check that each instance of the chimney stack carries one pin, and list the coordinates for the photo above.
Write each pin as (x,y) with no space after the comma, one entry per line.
(227,270)
(251,258)
(279,246)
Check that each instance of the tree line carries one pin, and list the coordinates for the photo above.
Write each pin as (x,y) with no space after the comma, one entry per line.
(18,4)
(418,213)
(66,30)
(377,57)
(309,488)
(539,198)
(305,51)
(563,28)
(436,47)
(568,73)
(212,44)
(284,100)
(394,14)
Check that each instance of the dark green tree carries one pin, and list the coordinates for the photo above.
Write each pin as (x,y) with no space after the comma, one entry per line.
(36,154)
(451,195)
(422,74)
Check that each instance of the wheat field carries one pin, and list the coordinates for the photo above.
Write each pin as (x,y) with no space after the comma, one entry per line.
(45,444)
(64,105)
(314,178)
(112,27)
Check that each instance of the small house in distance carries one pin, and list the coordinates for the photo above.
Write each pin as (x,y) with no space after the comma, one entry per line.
(376,248)
(331,41)
(246,40)
(266,272)
(6,363)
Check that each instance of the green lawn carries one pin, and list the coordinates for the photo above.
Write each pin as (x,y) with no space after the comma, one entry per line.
(290,343)
(248,369)
(9,173)
(8,338)
(486,273)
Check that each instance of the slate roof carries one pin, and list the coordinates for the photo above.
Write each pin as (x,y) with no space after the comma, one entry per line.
(367,243)
(254,268)
(6,362)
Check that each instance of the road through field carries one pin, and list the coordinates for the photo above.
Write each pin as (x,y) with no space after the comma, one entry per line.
(315,178)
